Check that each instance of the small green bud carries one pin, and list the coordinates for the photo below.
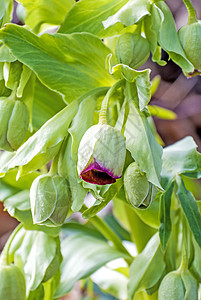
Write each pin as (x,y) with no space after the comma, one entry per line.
(132,49)
(139,192)
(101,155)
(190,37)
(172,287)
(14,120)
(12,283)
(50,200)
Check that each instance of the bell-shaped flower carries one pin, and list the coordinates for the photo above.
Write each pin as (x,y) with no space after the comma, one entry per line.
(101,155)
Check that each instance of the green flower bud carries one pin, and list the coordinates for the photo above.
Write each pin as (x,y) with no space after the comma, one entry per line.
(190,37)
(101,155)
(132,49)
(50,200)
(14,120)
(139,192)
(172,287)
(12,283)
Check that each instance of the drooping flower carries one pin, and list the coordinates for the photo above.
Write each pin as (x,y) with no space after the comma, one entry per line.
(101,155)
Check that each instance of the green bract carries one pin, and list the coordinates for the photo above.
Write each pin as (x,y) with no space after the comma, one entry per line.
(132,49)
(101,155)
(190,37)
(50,200)
(14,120)
(12,283)
(139,191)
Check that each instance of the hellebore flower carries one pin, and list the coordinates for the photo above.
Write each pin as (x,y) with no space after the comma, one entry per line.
(101,155)
(50,200)
(139,191)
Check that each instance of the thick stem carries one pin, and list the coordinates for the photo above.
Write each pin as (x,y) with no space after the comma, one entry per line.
(192,18)
(107,232)
(103,111)
(4,260)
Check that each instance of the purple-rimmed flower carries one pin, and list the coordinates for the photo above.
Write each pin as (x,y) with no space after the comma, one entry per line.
(101,155)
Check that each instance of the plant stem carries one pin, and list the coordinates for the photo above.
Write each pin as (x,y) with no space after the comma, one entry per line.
(109,234)
(103,111)
(4,260)
(192,18)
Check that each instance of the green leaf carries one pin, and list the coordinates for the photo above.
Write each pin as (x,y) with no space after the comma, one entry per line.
(181,158)
(82,19)
(168,38)
(69,64)
(46,104)
(6,55)
(165,220)
(130,13)
(40,12)
(43,145)
(190,209)
(35,255)
(147,268)
(142,145)
(82,255)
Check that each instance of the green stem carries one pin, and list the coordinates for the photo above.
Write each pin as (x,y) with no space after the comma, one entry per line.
(192,18)
(184,260)
(103,111)
(109,234)
(4,260)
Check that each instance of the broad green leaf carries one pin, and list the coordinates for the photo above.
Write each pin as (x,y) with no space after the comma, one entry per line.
(6,190)
(40,12)
(181,158)
(130,13)
(82,19)
(34,256)
(168,38)
(82,255)
(165,220)
(5,12)
(34,152)
(196,264)
(190,209)
(147,268)
(68,169)
(162,113)
(25,75)
(46,104)
(69,64)
(142,145)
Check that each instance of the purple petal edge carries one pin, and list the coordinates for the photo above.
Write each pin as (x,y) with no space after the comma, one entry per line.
(95,166)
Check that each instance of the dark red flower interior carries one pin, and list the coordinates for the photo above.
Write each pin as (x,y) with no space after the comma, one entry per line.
(97,177)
